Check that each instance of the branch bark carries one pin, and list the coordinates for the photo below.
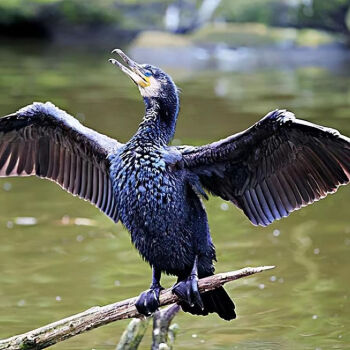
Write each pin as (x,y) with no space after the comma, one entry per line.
(98,316)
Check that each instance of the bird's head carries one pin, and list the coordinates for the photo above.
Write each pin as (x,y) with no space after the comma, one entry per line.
(151,81)
(159,93)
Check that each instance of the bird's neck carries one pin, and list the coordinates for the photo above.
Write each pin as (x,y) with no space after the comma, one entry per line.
(159,122)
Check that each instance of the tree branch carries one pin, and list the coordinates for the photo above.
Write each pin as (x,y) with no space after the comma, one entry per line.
(98,316)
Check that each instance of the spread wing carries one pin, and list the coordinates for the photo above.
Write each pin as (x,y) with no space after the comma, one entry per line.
(42,140)
(273,168)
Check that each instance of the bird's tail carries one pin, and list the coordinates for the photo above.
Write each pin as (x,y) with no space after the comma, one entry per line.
(217,301)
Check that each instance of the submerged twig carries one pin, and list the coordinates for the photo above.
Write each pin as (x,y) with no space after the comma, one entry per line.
(161,323)
(98,316)
(133,334)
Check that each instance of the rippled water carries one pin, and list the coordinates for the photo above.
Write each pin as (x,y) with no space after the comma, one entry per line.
(59,255)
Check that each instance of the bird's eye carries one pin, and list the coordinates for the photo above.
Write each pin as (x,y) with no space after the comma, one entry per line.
(147,73)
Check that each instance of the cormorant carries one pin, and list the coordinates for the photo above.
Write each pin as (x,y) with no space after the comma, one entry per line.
(278,165)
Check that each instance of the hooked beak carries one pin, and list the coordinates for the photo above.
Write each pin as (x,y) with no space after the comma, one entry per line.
(134,71)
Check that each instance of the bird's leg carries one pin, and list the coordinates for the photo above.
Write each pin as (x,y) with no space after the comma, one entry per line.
(187,290)
(148,301)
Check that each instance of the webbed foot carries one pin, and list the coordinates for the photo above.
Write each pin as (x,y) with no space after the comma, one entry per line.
(187,290)
(148,301)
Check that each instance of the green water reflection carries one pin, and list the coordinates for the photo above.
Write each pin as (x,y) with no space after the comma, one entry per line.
(62,265)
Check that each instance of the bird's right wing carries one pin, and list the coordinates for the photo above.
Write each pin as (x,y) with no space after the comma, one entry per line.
(278,165)
(42,140)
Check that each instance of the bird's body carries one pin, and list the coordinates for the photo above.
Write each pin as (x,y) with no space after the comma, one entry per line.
(277,166)
(156,202)
(150,199)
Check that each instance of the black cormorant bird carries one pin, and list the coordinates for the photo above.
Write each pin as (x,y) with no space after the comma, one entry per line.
(278,165)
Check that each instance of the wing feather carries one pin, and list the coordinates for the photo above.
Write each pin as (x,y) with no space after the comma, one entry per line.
(273,168)
(45,141)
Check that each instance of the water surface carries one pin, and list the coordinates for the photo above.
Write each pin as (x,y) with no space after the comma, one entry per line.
(70,257)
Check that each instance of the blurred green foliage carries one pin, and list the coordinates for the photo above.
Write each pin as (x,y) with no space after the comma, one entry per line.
(272,12)
(329,15)
(148,14)
(88,11)
(72,11)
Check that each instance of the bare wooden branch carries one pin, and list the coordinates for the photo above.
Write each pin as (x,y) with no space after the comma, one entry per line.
(98,316)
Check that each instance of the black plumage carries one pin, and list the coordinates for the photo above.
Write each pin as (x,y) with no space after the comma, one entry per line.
(275,167)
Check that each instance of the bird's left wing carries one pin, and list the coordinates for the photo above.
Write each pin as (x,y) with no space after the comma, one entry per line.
(273,168)
(42,140)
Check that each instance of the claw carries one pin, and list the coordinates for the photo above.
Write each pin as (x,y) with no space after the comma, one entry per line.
(188,293)
(195,292)
(182,291)
(148,301)
(187,290)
